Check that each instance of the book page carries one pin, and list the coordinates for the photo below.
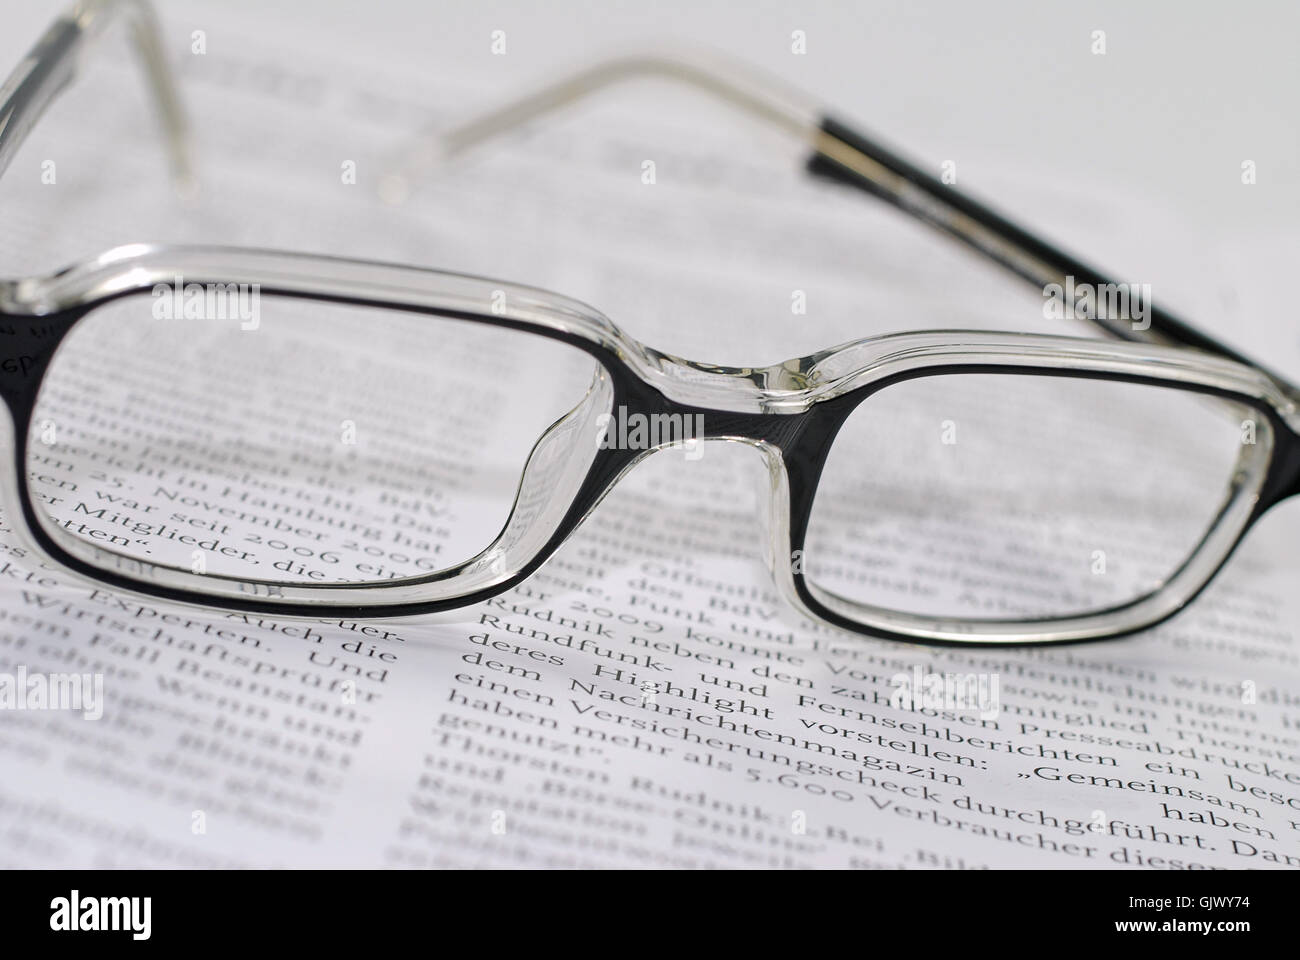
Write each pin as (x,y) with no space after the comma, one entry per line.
(646,699)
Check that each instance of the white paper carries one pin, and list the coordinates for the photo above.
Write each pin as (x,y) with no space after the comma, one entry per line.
(517,732)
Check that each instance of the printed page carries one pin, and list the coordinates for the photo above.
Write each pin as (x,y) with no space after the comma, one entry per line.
(646,699)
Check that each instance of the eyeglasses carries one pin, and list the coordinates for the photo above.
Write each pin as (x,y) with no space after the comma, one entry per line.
(939,486)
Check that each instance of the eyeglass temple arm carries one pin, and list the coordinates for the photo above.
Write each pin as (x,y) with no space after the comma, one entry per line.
(52,63)
(739,89)
(847,156)
(839,153)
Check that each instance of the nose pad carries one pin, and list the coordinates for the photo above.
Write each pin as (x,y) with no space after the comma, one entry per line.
(10,498)
(773,501)
(556,468)
(774,522)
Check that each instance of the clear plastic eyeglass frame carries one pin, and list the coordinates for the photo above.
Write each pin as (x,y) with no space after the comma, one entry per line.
(790,412)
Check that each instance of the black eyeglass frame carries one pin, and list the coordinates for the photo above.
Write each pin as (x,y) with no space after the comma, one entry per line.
(791,412)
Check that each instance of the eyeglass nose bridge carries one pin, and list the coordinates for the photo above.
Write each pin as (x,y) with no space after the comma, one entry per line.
(632,422)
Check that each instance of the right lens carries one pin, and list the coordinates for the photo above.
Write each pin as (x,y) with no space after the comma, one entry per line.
(1012,496)
(312,442)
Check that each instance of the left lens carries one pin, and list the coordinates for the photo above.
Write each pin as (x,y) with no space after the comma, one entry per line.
(292,440)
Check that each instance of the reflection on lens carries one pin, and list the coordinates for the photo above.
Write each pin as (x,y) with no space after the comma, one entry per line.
(999,497)
(313,443)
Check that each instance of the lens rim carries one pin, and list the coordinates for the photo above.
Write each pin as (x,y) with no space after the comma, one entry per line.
(1265,475)
(577,469)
